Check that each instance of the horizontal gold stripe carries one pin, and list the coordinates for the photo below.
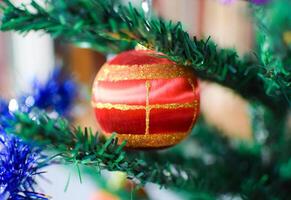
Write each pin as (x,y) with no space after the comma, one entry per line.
(117,106)
(137,72)
(173,105)
(136,107)
(150,140)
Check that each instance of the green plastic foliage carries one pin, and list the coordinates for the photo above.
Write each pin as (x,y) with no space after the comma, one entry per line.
(78,146)
(61,19)
(274,49)
(207,165)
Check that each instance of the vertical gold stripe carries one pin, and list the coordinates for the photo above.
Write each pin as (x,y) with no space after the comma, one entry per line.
(195,104)
(148,109)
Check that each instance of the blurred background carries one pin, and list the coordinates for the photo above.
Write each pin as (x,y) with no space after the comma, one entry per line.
(23,58)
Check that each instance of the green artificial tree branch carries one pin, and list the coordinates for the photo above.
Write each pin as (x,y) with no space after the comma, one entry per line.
(275,54)
(105,25)
(79,146)
(207,163)
(59,26)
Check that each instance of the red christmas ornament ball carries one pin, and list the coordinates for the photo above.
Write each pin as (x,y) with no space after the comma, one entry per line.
(149,101)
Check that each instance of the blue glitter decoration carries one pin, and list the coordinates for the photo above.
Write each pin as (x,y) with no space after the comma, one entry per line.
(57,94)
(5,115)
(19,165)
(3,108)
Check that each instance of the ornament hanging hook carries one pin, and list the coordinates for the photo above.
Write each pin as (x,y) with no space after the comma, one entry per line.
(147,7)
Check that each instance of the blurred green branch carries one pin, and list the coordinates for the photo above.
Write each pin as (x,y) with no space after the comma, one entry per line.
(273,21)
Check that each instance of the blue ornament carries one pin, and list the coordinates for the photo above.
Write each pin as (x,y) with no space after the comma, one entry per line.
(19,165)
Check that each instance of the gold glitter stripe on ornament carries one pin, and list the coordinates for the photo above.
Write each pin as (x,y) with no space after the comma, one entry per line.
(138,72)
(150,140)
(196,103)
(117,106)
(134,107)
(148,109)
(174,105)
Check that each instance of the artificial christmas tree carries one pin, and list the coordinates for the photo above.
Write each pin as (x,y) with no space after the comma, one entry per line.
(206,165)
